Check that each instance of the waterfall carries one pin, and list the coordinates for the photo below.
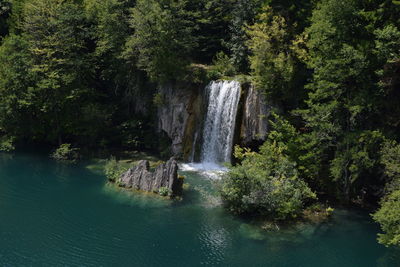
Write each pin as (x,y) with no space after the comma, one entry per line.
(219,126)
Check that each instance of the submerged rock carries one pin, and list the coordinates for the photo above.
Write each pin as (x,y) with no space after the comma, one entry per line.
(165,177)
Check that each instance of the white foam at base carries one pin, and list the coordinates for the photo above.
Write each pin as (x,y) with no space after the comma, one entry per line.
(208,169)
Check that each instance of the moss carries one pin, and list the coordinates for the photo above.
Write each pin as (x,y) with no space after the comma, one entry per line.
(158,100)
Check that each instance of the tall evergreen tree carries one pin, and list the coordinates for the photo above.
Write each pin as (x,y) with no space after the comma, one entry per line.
(342,94)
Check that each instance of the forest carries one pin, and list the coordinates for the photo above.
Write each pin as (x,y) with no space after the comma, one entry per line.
(86,72)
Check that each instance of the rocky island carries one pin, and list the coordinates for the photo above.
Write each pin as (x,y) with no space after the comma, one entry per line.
(164,180)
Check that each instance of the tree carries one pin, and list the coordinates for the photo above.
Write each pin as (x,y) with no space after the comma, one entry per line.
(110,20)
(212,19)
(243,13)
(273,62)
(296,13)
(162,40)
(388,215)
(267,183)
(5,8)
(16,88)
(387,50)
(61,62)
(342,94)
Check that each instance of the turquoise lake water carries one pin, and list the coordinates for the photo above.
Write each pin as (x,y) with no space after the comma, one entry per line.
(53,214)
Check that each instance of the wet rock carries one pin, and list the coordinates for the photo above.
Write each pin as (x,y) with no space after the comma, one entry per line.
(165,176)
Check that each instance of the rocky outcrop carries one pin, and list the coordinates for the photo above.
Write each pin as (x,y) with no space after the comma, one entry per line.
(180,116)
(254,124)
(165,176)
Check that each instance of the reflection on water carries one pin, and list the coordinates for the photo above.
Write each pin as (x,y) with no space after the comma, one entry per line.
(132,198)
(252,232)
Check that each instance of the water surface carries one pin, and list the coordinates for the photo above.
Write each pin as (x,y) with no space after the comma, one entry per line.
(53,214)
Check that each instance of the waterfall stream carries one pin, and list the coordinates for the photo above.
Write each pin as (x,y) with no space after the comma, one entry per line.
(219,126)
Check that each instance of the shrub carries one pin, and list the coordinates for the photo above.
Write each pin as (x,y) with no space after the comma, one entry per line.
(6,143)
(164,191)
(222,67)
(114,170)
(65,152)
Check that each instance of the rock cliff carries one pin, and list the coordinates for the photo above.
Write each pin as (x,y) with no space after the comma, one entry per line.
(254,124)
(180,116)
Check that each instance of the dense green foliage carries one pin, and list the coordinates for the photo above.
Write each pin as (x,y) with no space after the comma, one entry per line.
(163,38)
(272,60)
(335,76)
(388,216)
(86,73)
(65,152)
(114,169)
(267,183)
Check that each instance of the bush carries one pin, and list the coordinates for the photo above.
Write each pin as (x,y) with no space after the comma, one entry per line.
(114,170)
(65,152)
(265,184)
(164,191)
(222,67)
(6,143)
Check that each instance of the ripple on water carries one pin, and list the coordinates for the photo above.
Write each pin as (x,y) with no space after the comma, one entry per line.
(64,216)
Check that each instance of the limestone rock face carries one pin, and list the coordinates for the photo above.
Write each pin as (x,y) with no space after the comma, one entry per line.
(173,115)
(179,116)
(141,178)
(255,117)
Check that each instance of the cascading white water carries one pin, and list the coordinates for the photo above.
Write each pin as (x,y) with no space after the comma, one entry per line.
(219,126)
